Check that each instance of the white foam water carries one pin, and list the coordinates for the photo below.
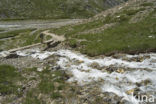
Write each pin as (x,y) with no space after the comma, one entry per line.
(117,83)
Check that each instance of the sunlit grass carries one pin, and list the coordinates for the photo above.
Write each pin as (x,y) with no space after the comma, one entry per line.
(122,37)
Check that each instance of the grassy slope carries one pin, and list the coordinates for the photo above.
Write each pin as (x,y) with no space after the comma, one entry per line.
(122,37)
(20,38)
(43,9)
(14,33)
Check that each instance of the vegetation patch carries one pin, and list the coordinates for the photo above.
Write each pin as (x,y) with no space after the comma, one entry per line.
(24,38)
(8,79)
(14,33)
(147,4)
(72,43)
(32,97)
(52,9)
(71,30)
(50,85)
(123,37)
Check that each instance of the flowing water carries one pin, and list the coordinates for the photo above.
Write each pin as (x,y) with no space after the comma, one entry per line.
(131,74)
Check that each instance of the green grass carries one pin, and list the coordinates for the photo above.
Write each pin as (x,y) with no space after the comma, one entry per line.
(29,39)
(48,83)
(8,79)
(72,43)
(123,37)
(21,38)
(132,11)
(48,37)
(120,39)
(1,30)
(31,97)
(147,4)
(1,43)
(14,33)
(70,30)
(47,86)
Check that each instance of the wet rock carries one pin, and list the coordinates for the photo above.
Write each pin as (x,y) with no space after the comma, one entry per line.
(56,84)
(120,70)
(68,74)
(131,91)
(40,69)
(117,56)
(4,53)
(52,44)
(56,67)
(23,88)
(137,58)
(87,71)
(111,69)
(124,101)
(126,58)
(68,65)
(111,98)
(95,65)
(144,83)
(39,96)
(12,55)
(77,62)
(80,61)
(100,79)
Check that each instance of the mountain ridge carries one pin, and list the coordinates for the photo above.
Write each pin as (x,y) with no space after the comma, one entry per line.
(28,9)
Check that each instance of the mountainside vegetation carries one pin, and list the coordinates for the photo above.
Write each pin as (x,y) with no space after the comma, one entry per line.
(53,9)
(129,28)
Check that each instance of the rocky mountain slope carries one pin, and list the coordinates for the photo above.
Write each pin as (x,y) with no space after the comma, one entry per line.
(26,9)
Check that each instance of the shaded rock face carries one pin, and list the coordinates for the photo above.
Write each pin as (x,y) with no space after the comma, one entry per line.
(47,9)
(12,55)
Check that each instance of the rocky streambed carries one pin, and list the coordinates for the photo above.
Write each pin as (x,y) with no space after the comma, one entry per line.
(125,79)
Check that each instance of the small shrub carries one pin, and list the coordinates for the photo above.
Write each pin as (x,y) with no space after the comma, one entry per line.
(72,43)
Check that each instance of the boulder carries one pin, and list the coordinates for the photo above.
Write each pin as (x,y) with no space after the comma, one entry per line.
(95,65)
(120,70)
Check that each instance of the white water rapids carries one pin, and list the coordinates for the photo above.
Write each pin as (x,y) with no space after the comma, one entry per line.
(115,82)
